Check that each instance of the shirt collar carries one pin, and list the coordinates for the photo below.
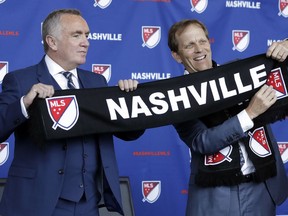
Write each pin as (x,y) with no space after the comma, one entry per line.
(55,68)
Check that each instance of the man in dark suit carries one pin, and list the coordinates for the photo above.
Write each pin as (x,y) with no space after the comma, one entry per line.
(242,185)
(69,176)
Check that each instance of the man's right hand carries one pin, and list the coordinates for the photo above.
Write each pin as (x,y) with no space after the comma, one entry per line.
(39,90)
(261,101)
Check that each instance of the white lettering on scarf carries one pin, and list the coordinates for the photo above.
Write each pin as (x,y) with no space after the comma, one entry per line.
(158,105)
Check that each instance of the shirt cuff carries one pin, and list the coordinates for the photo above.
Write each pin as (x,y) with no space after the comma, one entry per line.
(245,121)
(23,109)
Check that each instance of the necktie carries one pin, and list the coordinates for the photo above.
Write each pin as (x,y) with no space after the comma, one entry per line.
(70,83)
(242,160)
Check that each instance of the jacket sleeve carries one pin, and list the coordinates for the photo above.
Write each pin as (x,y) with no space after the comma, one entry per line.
(10,109)
(203,140)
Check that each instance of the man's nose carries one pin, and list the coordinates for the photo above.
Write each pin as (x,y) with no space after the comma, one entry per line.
(85,42)
(198,48)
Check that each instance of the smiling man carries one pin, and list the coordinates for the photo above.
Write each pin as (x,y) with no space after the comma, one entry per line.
(243,183)
(193,48)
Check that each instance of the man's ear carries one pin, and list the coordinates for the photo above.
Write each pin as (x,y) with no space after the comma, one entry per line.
(176,56)
(51,41)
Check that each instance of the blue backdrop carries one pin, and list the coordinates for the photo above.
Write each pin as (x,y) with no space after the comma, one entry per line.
(129,40)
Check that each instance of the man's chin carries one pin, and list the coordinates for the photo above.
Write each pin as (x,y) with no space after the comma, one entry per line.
(82,61)
(204,68)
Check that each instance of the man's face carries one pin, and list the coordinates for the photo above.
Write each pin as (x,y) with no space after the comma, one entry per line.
(194,50)
(72,43)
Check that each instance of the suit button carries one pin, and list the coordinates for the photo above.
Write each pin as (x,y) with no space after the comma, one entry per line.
(81,185)
(61,171)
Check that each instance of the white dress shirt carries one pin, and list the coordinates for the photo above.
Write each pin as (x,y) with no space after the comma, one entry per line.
(246,124)
(56,72)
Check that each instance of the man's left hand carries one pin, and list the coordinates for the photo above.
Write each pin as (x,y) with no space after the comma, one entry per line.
(128,85)
(278,50)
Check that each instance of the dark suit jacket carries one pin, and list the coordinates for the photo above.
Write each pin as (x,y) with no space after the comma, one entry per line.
(34,184)
(202,140)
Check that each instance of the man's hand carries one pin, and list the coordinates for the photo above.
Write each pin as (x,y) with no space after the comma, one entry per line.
(128,85)
(278,50)
(261,101)
(39,90)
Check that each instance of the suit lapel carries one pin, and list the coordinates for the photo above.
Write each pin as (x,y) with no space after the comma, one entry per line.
(84,80)
(44,76)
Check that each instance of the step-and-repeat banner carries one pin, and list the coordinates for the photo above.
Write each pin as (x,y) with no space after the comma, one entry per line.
(128,39)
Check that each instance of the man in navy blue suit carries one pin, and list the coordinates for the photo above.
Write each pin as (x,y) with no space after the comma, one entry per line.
(69,176)
(242,183)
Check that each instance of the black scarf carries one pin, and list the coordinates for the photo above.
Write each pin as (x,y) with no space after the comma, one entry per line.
(81,112)
(223,168)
